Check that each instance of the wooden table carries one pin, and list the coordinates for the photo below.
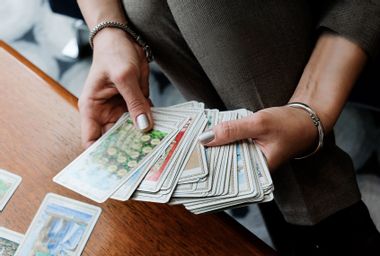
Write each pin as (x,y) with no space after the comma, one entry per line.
(39,136)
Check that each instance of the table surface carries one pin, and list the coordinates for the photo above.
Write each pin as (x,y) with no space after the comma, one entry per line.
(40,135)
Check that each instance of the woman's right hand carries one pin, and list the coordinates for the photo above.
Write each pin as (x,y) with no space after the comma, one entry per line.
(118,82)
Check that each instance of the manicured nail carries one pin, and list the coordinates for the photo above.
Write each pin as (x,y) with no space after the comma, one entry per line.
(142,122)
(206,136)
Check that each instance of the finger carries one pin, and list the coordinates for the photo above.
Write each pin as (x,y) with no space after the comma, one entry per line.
(128,85)
(91,131)
(234,130)
(107,127)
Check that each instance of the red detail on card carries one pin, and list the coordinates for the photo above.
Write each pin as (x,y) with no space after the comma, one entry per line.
(157,169)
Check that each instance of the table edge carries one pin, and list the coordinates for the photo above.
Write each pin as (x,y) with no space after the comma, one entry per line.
(68,96)
(72,100)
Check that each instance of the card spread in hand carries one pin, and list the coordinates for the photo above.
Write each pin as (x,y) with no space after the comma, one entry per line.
(169,165)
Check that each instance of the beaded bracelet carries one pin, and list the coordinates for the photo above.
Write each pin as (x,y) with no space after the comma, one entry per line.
(114,24)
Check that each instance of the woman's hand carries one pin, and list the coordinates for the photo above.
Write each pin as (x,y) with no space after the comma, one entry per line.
(286,132)
(117,83)
(281,132)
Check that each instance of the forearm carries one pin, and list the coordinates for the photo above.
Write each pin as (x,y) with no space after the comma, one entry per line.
(96,11)
(327,80)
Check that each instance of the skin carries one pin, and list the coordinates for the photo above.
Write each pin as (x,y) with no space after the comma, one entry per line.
(119,75)
(118,80)
(285,132)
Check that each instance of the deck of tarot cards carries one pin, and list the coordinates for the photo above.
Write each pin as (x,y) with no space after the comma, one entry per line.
(169,165)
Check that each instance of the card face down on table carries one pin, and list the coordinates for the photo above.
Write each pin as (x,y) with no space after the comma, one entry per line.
(169,165)
(61,226)
(8,185)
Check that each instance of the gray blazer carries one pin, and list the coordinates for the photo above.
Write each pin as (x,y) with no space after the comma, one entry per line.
(251,54)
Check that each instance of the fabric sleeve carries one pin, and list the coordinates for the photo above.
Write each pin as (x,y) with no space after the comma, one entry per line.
(358,21)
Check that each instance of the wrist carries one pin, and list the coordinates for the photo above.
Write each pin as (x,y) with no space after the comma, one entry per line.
(311,134)
(127,32)
(110,37)
(326,110)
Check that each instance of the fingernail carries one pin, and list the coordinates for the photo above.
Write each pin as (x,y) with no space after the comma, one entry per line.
(206,136)
(142,122)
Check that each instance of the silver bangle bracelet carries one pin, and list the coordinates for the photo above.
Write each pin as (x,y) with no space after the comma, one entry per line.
(114,24)
(316,121)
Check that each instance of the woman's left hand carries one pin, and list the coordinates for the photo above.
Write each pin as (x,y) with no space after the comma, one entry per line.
(281,132)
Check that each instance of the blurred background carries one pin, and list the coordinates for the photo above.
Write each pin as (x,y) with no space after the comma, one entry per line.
(52,35)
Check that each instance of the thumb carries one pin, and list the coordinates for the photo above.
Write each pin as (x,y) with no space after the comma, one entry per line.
(231,131)
(138,105)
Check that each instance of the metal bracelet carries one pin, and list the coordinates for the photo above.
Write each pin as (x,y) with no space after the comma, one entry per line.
(114,24)
(316,121)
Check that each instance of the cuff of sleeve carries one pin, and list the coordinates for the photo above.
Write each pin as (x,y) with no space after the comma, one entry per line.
(358,21)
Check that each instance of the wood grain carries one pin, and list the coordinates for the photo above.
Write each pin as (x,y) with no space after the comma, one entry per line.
(39,135)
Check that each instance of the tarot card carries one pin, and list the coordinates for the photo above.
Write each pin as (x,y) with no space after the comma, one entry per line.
(232,191)
(61,226)
(224,157)
(8,185)
(189,105)
(261,167)
(247,187)
(156,177)
(232,186)
(9,241)
(167,189)
(196,167)
(129,187)
(177,167)
(201,168)
(242,198)
(99,171)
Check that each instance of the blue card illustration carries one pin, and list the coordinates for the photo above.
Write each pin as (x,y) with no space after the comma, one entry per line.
(61,227)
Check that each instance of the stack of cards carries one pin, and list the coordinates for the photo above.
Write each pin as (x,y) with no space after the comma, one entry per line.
(169,165)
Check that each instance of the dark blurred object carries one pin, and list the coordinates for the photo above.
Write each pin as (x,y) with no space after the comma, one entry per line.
(66,7)
(367,90)
(240,212)
(350,231)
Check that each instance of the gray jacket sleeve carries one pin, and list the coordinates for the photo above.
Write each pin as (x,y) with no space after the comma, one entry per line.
(357,20)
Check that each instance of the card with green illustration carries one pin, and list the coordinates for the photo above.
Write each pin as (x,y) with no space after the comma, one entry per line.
(8,185)
(111,161)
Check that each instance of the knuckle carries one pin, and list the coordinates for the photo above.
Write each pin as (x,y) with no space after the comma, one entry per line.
(136,104)
(122,75)
(229,130)
(262,120)
(84,104)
